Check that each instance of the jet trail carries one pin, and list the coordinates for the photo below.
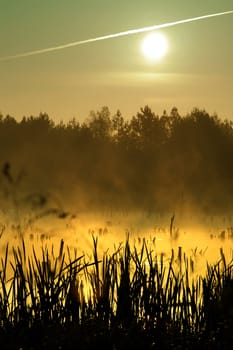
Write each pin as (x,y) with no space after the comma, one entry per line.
(111,36)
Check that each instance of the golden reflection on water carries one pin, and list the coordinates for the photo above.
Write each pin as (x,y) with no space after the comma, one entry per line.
(200,239)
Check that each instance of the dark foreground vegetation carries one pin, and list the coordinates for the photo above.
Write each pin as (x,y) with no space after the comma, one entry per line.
(154,162)
(131,299)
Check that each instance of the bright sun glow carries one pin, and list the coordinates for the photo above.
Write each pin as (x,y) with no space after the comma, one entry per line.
(155,46)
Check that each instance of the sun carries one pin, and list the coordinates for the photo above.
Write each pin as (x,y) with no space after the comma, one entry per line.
(155,46)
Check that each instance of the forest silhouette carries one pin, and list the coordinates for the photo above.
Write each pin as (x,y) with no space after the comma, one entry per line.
(147,162)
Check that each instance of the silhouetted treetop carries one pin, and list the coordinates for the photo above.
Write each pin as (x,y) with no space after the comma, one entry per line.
(149,159)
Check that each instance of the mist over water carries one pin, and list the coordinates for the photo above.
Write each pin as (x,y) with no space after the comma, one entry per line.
(200,238)
(163,179)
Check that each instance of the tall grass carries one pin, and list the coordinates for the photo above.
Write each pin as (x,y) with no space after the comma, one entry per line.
(131,297)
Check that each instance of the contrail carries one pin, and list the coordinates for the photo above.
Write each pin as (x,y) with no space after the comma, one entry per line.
(111,36)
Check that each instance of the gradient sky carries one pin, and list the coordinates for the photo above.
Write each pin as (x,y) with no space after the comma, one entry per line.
(196,72)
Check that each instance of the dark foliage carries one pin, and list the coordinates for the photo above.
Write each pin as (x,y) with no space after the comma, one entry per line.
(135,300)
(160,162)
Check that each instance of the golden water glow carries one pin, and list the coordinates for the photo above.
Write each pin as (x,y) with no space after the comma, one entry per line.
(200,241)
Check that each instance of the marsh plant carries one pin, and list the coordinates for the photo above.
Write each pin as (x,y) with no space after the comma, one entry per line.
(131,297)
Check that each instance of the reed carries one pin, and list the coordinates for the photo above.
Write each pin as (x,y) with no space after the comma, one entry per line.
(129,297)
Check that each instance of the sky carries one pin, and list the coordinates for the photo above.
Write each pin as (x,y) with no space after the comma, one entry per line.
(197,70)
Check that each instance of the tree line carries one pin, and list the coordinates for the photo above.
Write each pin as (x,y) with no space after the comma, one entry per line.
(150,161)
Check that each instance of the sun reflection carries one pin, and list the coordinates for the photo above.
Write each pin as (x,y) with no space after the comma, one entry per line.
(199,243)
